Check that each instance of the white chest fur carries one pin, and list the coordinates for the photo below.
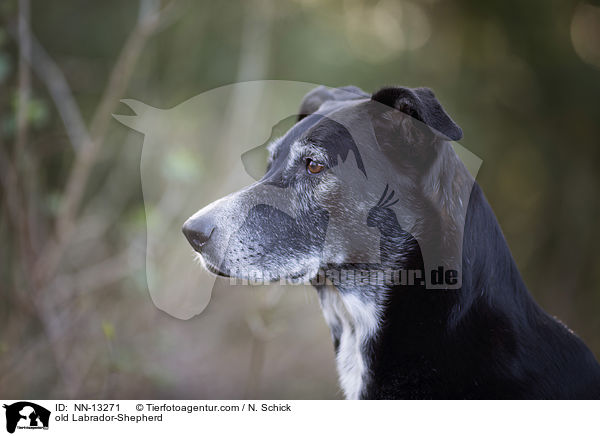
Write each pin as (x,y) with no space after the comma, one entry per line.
(356,320)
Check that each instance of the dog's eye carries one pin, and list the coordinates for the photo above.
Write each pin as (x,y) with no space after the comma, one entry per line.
(313,167)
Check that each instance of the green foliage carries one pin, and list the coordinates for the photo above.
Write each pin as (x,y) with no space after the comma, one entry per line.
(109,330)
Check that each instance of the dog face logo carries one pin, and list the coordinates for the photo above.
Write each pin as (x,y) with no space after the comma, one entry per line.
(26,415)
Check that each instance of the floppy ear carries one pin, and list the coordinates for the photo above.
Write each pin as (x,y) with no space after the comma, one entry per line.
(421,104)
(315,98)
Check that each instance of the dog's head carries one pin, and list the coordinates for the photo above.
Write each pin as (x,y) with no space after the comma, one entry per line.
(316,205)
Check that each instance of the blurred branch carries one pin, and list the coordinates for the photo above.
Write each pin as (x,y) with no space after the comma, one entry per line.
(24,76)
(8,179)
(148,22)
(98,276)
(39,272)
(50,74)
(9,167)
(253,64)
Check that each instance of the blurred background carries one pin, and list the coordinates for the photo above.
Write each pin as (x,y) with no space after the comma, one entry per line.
(76,320)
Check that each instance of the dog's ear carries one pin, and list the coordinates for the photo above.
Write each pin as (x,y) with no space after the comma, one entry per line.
(421,104)
(315,98)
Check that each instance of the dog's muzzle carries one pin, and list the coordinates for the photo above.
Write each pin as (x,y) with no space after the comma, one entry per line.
(198,231)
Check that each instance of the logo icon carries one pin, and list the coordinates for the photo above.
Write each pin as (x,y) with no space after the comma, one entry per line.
(26,415)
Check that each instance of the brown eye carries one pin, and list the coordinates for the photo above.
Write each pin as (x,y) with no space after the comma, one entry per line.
(313,167)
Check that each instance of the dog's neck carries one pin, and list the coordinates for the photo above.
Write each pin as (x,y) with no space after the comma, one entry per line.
(396,335)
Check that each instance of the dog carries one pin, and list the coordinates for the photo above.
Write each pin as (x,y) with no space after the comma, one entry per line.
(371,183)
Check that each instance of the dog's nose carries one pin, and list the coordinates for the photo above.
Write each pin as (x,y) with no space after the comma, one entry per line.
(198,231)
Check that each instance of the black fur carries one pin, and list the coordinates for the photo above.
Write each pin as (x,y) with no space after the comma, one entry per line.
(488,340)
(314,99)
(421,104)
